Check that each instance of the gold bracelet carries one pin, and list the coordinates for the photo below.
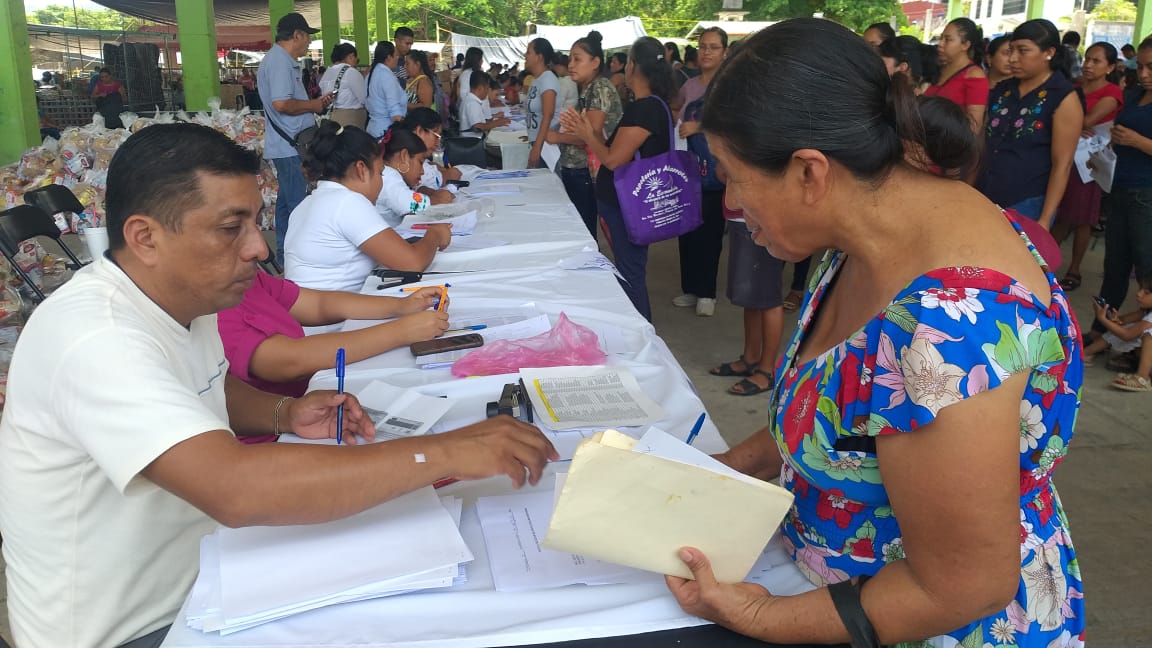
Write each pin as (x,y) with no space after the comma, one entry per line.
(276,414)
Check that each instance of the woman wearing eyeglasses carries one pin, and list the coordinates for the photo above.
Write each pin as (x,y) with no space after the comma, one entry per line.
(700,249)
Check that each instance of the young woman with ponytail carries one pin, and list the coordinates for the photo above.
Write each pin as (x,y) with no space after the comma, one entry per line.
(338,236)
(931,386)
(1034,122)
(541,106)
(961,78)
(643,128)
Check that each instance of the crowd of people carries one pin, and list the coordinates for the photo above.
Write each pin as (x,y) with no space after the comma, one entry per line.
(935,307)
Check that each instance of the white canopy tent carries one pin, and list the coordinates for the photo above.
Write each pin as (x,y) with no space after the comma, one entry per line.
(621,32)
(618,33)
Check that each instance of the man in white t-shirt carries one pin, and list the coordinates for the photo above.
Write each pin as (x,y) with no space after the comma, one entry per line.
(475,111)
(118,446)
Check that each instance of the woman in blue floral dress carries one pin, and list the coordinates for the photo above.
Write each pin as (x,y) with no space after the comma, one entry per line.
(933,382)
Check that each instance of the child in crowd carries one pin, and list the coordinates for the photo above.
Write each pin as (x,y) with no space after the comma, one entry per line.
(476,111)
(1126,333)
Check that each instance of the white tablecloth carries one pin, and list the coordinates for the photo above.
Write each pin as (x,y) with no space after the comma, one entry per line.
(539,225)
(474,614)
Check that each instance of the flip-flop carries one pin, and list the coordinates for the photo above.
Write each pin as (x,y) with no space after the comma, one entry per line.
(727,370)
(1071,281)
(792,301)
(748,388)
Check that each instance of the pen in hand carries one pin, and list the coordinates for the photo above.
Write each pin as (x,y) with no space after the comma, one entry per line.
(340,390)
(696,429)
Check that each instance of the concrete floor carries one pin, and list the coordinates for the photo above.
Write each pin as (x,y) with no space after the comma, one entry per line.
(1105,482)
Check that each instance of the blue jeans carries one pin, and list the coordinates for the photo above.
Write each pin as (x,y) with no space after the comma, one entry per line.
(1030,208)
(578,184)
(1127,244)
(292,187)
(631,260)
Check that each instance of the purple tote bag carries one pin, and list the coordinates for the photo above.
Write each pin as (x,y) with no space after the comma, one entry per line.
(660,195)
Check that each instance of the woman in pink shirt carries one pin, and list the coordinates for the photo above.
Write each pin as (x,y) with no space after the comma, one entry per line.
(264,337)
(1079,211)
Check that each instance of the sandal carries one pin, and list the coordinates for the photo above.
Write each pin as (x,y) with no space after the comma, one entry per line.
(1071,281)
(792,301)
(727,369)
(748,388)
(1124,363)
(1132,383)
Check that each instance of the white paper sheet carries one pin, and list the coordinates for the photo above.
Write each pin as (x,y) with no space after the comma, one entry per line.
(462,225)
(571,397)
(253,575)
(514,526)
(550,155)
(399,412)
(492,189)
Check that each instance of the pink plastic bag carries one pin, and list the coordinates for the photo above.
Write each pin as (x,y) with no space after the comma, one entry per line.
(567,344)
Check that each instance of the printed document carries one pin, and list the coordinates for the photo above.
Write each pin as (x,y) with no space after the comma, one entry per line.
(398,412)
(573,397)
(514,526)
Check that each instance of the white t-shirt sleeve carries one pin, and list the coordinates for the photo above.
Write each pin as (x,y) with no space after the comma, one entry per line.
(359,221)
(126,423)
(397,200)
(471,112)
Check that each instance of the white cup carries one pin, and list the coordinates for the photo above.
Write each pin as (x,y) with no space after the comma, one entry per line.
(96,238)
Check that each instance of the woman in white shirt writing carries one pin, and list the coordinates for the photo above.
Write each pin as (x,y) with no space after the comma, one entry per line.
(337,235)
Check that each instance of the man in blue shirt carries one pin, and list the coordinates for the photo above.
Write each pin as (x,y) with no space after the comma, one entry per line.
(288,109)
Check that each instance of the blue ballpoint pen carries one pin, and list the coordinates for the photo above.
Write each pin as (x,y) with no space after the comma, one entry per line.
(340,390)
(696,428)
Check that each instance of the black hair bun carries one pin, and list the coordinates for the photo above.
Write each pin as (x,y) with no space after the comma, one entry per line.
(595,37)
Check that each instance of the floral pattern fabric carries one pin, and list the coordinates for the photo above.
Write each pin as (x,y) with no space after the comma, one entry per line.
(950,334)
(1018,139)
(599,95)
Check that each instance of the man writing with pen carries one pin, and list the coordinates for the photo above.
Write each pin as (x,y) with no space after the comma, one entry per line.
(118,445)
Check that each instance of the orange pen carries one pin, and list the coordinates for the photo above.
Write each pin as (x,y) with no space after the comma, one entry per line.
(443,298)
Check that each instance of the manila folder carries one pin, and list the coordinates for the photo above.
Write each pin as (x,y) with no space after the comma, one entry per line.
(638,510)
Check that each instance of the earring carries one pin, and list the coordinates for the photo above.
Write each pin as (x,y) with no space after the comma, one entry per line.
(407,167)
(1048,58)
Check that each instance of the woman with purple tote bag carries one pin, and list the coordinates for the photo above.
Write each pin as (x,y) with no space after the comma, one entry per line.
(645,131)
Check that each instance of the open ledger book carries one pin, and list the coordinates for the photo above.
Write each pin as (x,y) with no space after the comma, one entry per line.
(637,502)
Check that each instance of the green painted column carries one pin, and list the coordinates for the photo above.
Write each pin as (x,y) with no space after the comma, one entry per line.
(955,9)
(383,21)
(1035,9)
(329,27)
(196,30)
(277,10)
(18,120)
(1143,27)
(360,29)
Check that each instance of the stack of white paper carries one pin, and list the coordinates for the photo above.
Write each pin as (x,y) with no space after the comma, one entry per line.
(254,575)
